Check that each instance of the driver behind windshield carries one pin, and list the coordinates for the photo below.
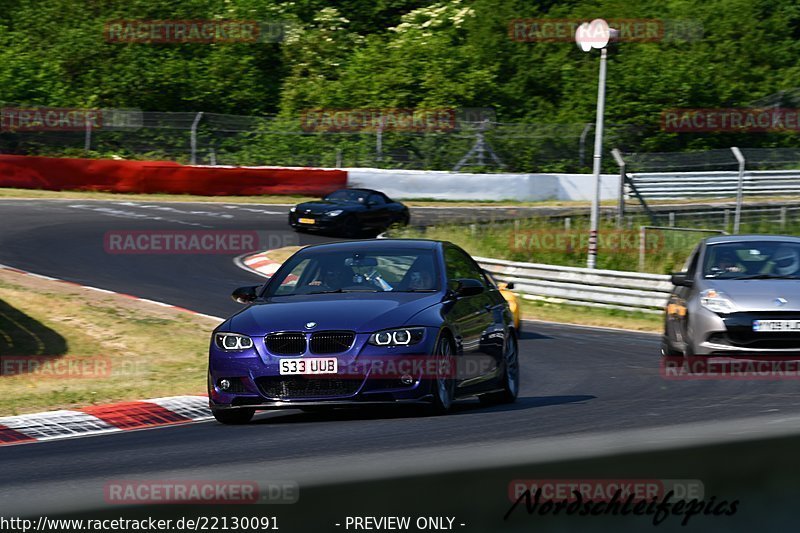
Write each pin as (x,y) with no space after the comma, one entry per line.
(420,280)
(786,261)
(727,262)
(332,276)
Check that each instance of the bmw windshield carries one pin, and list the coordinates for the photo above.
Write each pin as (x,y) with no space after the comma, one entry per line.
(753,260)
(401,270)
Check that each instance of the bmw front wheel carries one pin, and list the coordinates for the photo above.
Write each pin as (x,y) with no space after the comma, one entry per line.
(444,386)
(510,385)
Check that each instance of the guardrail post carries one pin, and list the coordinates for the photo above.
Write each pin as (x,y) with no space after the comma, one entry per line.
(87,140)
(193,141)
(783,217)
(621,200)
(642,246)
(582,145)
(379,141)
(737,217)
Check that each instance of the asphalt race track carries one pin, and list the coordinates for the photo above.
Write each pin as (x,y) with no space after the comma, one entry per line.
(575,381)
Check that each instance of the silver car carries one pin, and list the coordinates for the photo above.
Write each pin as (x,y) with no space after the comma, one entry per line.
(737,294)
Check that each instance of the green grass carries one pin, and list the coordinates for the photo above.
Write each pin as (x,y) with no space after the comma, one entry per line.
(130,350)
(541,240)
(590,316)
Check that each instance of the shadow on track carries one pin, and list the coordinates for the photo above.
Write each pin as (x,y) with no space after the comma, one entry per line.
(525,335)
(24,341)
(393,412)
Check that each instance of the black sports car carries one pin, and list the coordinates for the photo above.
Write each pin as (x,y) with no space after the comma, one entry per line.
(349,212)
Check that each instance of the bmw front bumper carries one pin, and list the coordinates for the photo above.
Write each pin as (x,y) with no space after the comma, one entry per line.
(256,382)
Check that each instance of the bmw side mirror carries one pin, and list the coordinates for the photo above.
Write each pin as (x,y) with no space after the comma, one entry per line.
(245,295)
(468,287)
(681,279)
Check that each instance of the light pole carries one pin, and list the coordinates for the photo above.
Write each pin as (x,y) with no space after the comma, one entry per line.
(596,34)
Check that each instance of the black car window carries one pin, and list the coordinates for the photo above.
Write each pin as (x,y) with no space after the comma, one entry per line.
(347,195)
(752,258)
(461,265)
(376,199)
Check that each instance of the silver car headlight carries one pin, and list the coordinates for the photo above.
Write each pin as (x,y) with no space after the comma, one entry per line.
(293,209)
(397,337)
(232,342)
(335,212)
(716,301)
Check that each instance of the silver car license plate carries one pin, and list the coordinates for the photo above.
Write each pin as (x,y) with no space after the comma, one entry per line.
(776,325)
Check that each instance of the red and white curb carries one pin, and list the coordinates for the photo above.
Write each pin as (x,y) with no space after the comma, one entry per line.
(99,419)
(259,263)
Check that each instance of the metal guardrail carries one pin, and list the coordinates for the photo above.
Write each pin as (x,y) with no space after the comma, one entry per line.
(610,289)
(671,185)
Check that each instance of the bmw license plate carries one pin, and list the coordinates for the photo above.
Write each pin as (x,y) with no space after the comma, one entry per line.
(306,220)
(776,325)
(321,365)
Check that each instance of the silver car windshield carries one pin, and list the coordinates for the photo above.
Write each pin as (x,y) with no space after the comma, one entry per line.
(753,260)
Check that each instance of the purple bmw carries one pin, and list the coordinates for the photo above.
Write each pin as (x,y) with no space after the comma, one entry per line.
(368,322)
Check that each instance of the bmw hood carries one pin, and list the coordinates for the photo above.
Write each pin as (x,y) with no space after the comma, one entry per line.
(759,294)
(363,313)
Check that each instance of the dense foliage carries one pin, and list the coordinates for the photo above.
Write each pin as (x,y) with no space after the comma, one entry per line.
(409,54)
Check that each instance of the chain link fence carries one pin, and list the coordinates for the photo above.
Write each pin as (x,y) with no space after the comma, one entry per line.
(219,139)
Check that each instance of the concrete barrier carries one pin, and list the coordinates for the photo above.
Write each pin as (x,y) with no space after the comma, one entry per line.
(440,185)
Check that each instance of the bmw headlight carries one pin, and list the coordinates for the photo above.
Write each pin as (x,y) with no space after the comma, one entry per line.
(335,212)
(716,301)
(397,337)
(293,209)
(231,342)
